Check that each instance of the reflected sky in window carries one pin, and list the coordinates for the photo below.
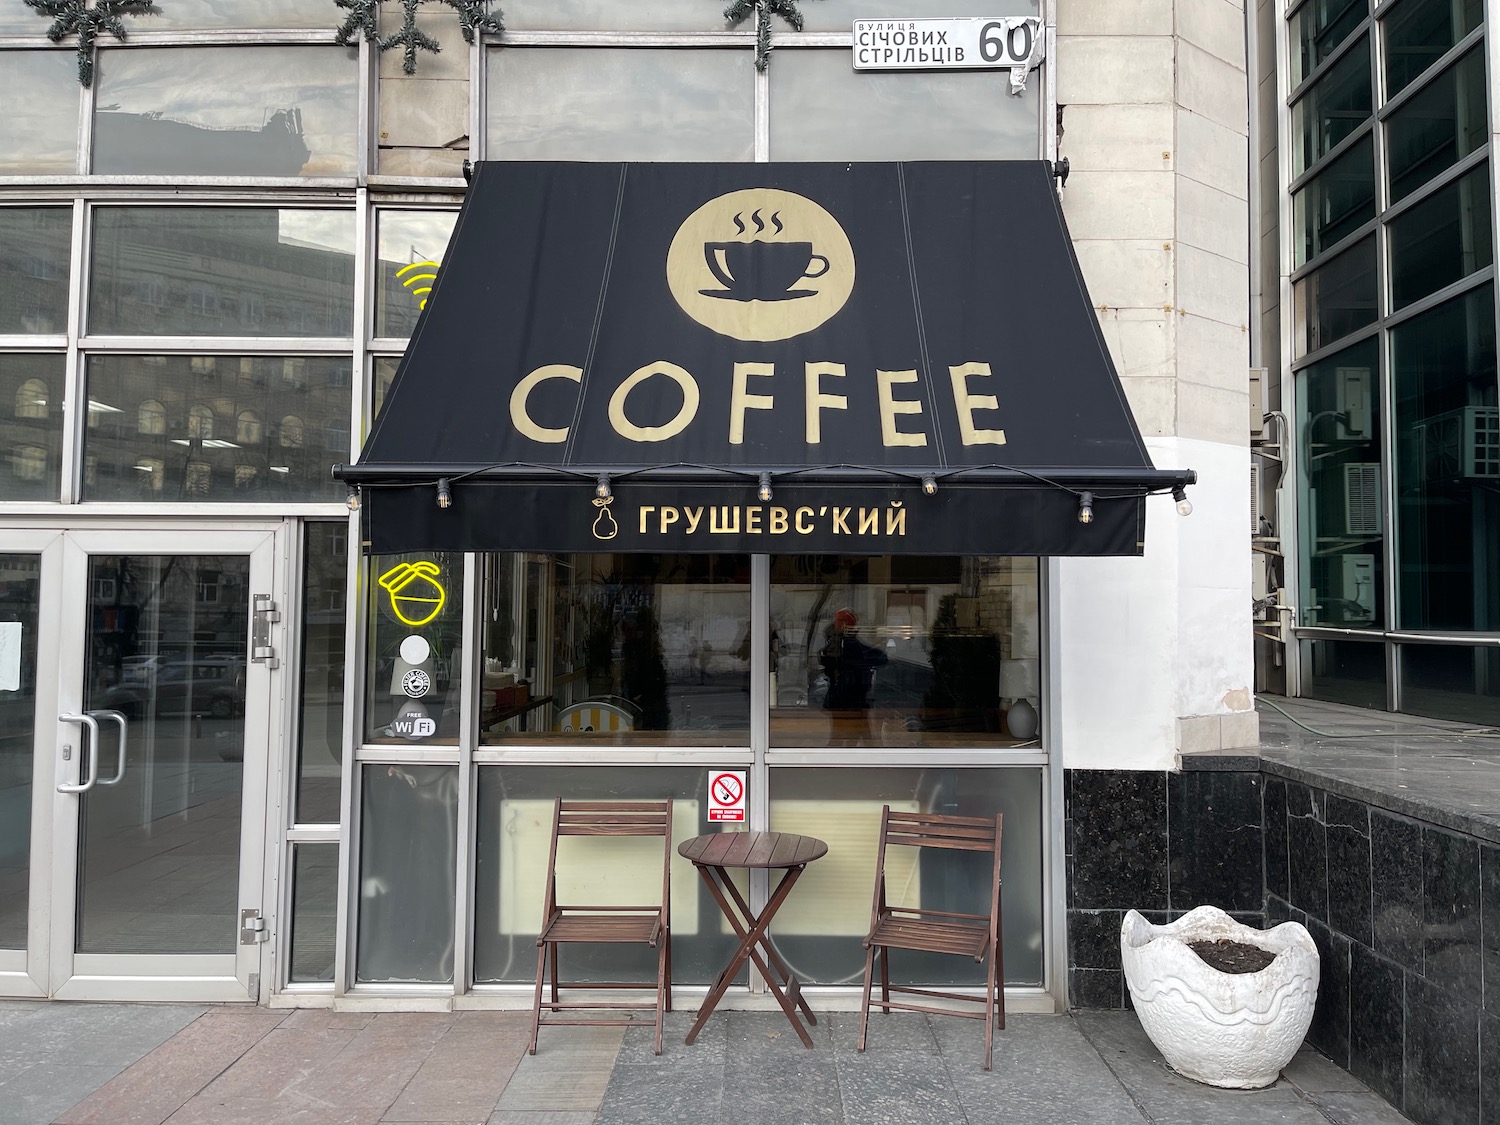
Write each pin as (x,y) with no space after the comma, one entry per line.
(39,129)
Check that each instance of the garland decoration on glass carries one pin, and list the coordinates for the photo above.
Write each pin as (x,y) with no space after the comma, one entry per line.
(364,19)
(73,17)
(741,10)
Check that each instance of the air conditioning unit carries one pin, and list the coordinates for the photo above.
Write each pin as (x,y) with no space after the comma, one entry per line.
(1460,443)
(1352,390)
(1362,498)
(1357,579)
(1254,501)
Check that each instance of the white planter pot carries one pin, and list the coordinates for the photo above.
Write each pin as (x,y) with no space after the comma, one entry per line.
(1226,1029)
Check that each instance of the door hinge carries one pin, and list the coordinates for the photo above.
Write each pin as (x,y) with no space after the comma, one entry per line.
(252,927)
(263,615)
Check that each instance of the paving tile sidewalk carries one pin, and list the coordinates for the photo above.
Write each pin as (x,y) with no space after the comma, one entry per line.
(115,1064)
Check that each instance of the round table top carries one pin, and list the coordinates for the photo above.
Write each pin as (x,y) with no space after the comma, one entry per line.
(752,849)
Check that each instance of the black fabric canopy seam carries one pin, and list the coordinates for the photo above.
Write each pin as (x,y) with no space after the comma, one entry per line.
(588,359)
(916,301)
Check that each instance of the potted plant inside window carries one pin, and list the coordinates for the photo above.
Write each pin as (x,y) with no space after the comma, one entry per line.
(1225,1004)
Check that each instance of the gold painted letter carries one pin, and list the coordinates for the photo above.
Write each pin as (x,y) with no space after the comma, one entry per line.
(628,429)
(890,407)
(518,416)
(741,400)
(967,404)
(817,401)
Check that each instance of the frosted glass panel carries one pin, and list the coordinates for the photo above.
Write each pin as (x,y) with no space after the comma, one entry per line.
(612,15)
(839,15)
(39,129)
(240,13)
(570,103)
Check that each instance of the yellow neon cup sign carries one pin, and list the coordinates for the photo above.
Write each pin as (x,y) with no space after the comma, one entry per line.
(415,593)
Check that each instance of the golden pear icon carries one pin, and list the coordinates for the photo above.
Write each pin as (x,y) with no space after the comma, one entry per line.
(416,595)
(604,525)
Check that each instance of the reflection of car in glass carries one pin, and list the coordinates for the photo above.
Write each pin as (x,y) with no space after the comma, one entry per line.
(209,686)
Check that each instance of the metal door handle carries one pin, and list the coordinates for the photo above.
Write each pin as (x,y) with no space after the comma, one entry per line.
(93,754)
(118,717)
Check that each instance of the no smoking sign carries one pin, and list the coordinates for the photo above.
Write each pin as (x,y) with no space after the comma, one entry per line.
(726,796)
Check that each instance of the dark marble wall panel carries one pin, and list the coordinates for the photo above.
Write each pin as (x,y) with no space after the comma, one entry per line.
(1307,849)
(1442,1056)
(1119,822)
(1278,910)
(1489,1067)
(1396,888)
(1348,827)
(1489,931)
(1096,988)
(1450,911)
(1329,1032)
(1277,879)
(1094,938)
(1215,843)
(1377,1022)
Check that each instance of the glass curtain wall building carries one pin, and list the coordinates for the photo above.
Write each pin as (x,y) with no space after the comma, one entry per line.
(211,258)
(1388,336)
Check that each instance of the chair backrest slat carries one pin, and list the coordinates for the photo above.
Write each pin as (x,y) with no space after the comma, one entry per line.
(941,842)
(614,818)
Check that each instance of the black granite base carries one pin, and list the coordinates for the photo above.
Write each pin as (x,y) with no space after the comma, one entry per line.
(1405,914)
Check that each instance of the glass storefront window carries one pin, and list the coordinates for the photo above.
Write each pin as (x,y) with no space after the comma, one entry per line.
(1442,239)
(903,651)
(1419,32)
(315,879)
(1337,298)
(221,271)
(839,15)
(1317,28)
(617,649)
(407,873)
(1455,682)
(415,663)
(227,111)
(610,15)
(382,376)
(820,928)
(320,725)
(34,265)
(31,426)
(39,129)
(1338,103)
(1439,126)
(20,599)
(1336,202)
(411,246)
(274,14)
(245,429)
(896,115)
(1343,532)
(605,103)
(1350,672)
(511,841)
(1447,425)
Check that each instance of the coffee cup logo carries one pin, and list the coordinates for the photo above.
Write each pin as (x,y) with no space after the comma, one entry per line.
(760,264)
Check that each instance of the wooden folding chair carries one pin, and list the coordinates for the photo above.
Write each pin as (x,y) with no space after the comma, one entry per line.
(937,931)
(566,924)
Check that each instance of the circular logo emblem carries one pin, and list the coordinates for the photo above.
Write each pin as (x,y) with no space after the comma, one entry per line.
(416,683)
(760,264)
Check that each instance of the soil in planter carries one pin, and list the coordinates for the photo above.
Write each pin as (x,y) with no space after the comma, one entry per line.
(1232,956)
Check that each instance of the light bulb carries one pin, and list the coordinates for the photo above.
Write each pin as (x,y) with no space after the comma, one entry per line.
(444,493)
(929,485)
(1086,507)
(765,488)
(352,500)
(1184,505)
(602,489)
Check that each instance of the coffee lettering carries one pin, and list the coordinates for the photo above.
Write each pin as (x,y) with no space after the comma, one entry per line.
(522,421)
(895,521)
(804,528)
(869,521)
(841,521)
(817,401)
(778,521)
(628,429)
(890,407)
(967,403)
(669,516)
(694,517)
(719,522)
(741,399)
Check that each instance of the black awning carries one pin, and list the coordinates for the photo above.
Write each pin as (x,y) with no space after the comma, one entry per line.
(873,358)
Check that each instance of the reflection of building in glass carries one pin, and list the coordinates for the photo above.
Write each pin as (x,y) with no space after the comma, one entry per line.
(153,144)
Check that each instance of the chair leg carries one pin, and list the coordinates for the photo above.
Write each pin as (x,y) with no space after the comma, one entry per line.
(1000,982)
(989,1015)
(536,1004)
(864,1006)
(554,972)
(667,937)
(661,989)
(885,977)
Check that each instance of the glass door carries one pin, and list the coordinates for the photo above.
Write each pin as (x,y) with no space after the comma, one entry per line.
(164,706)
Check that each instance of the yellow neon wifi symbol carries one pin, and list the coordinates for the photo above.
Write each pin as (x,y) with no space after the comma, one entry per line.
(417,604)
(420,284)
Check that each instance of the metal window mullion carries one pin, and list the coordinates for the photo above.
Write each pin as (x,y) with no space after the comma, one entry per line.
(220,345)
(1047,126)
(1343,342)
(355,658)
(283,769)
(364,319)
(1321,165)
(672,39)
(471,673)
(222,37)
(1434,70)
(1458,288)
(1455,171)
(759,797)
(149,191)
(369,101)
(1054,796)
(75,394)
(1288,509)
(478,95)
